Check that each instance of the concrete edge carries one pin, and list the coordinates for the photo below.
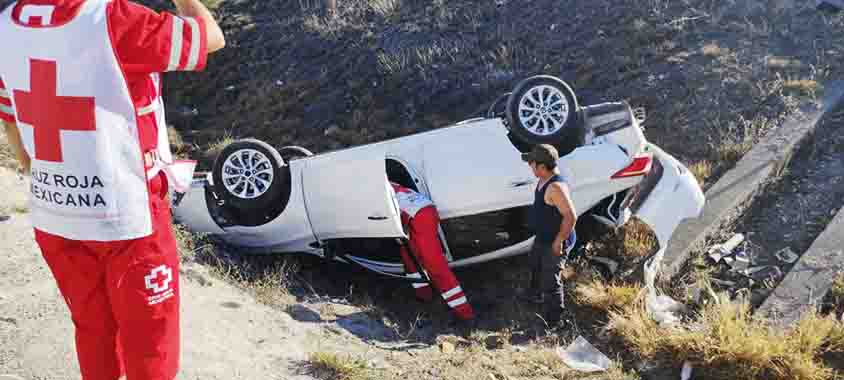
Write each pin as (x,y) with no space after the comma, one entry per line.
(730,196)
(810,278)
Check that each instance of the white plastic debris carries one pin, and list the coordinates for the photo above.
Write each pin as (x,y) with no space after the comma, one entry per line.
(582,356)
(786,255)
(662,308)
(719,251)
(739,261)
(686,373)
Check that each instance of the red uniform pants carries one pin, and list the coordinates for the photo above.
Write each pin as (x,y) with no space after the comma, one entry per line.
(426,247)
(123,298)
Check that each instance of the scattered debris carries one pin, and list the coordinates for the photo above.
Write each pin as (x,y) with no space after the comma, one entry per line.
(663,308)
(738,261)
(609,264)
(447,347)
(724,283)
(279,82)
(686,373)
(4,218)
(230,88)
(719,251)
(582,356)
(786,255)
(762,273)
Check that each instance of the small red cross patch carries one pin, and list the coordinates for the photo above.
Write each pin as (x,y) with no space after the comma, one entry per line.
(49,114)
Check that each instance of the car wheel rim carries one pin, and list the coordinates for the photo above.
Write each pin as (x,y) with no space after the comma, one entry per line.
(543,110)
(247,173)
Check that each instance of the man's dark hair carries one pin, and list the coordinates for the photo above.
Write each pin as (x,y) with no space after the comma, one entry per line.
(550,166)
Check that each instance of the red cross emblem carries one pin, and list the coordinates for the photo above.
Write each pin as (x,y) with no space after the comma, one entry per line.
(49,114)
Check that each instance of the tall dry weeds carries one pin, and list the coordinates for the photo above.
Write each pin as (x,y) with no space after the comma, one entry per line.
(726,340)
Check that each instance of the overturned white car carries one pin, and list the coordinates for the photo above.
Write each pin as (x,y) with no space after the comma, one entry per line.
(340,204)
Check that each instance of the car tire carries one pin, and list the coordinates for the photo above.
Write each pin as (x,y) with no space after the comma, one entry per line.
(249,175)
(290,153)
(542,110)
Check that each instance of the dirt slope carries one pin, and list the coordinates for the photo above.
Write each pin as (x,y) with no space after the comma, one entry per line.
(226,333)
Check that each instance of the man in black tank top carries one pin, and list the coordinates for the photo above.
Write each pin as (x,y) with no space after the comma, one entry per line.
(552,219)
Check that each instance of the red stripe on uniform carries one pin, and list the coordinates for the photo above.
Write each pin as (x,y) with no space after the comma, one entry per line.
(5,101)
(186,43)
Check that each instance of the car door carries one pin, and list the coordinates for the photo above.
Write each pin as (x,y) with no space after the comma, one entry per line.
(475,169)
(347,195)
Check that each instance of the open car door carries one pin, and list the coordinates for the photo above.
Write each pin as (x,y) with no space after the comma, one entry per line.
(347,195)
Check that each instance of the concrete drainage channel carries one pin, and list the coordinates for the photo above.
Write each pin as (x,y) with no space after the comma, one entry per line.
(740,202)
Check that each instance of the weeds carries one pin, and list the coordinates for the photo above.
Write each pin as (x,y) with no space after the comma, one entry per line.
(805,86)
(269,285)
(606,297)
(725,339)
(702,170)
(177,144)
(7,156)
(330,366)
(713,50)
(216,147)
(638,239)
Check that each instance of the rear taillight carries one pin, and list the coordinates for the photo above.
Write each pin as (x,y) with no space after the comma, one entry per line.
(641,165)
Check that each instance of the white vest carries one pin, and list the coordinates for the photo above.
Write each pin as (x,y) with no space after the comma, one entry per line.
(88,179)
(410,202)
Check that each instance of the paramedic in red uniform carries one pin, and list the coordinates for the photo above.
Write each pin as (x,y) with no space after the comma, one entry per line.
(80,100)
(421,220)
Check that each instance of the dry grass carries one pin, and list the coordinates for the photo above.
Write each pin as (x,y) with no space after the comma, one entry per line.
(731,152)
(606,297)
(783,63)
(837,290)
(806,86)
(637,238)
(270,285)
(713,50)
(216,147)
(702,170)
(330,366)
(7,156)
(212,4)
(473,358)
(177,144)
(727,341)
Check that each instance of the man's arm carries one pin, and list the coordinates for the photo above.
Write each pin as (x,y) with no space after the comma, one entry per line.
(559,196)
(194,8)
(14,137)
